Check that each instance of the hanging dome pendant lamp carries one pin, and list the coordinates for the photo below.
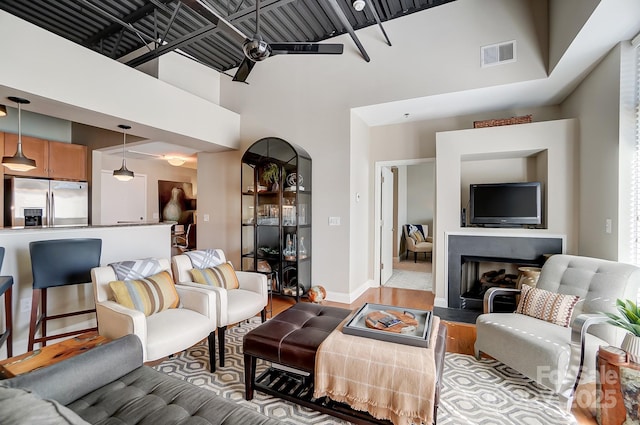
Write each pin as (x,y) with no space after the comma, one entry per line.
(123,174)
(19,162)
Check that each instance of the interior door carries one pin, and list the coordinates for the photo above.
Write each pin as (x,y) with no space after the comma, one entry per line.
(386,226)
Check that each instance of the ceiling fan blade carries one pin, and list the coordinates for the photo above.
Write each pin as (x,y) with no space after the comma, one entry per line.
(243,70)
(209,13)
(306,48)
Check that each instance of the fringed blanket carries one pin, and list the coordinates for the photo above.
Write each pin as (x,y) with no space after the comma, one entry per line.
(390,381)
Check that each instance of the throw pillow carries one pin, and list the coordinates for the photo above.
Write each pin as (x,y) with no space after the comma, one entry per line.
(136,269)
(203,258)
(545,305)
(150,295)
(417,236)
(222,276)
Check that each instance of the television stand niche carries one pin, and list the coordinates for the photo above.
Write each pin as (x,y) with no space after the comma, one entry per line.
(514,247)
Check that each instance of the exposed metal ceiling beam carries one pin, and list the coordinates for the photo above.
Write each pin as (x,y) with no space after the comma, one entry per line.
(345,22)
(377,18)
(144,37)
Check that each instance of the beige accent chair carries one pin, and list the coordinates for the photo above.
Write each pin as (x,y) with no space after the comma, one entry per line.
(164,333)
(234,305)
(554,356)
(425,247)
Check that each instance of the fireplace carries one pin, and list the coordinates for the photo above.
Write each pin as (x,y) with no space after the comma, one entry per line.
(466,252)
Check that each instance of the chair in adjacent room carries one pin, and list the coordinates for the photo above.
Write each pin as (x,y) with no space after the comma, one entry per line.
(6,289)
(57,263)
(140,297)
(186,241)
(557,347)
(240,300)
(416,240)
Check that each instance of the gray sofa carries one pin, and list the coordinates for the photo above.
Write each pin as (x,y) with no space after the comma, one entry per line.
(110,385)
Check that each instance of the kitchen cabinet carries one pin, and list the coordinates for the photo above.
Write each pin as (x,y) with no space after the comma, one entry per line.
(55,160)
(276,215)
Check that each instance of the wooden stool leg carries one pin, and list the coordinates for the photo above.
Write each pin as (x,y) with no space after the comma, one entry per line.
(35,303)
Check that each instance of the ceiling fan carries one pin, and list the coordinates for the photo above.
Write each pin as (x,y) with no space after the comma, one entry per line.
(255,48)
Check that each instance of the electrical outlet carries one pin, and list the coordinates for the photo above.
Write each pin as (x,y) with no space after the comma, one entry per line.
(25,305)
(607,225)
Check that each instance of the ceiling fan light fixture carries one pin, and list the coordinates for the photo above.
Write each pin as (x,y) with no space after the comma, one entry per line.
(18,162)
(175,161)
(256,49)
(358,5)
(123,174)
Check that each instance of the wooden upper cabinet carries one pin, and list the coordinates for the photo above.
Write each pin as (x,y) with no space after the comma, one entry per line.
(67,161)
(56,160)
(32,148)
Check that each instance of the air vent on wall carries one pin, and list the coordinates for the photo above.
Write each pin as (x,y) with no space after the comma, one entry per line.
(500,53)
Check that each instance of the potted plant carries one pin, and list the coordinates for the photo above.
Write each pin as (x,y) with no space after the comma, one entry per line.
(271,175)
(629,320)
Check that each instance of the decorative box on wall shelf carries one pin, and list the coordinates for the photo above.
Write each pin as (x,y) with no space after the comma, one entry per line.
(525,119)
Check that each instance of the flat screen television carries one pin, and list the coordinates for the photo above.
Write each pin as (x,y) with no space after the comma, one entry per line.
(505,204)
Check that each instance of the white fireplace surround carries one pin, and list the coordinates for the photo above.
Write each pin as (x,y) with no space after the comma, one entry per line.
(551,145)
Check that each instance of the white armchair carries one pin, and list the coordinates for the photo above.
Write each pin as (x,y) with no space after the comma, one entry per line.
(233,305)
(163,333)
(560,357)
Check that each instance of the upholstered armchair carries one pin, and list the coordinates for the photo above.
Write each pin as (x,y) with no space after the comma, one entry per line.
(242,301)
(165,325)
(416,240)
(556,356)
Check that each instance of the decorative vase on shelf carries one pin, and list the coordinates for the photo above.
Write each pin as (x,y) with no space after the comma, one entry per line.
(631,344)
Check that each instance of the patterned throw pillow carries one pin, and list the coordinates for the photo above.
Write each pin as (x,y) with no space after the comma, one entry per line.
(418,236)
(150,295)
(222,276)
(545,305)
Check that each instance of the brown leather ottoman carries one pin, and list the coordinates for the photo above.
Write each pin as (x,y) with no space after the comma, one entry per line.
(290,339)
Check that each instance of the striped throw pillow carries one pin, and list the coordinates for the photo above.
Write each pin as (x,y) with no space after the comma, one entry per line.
(548,306)
(222,276)
(150,295)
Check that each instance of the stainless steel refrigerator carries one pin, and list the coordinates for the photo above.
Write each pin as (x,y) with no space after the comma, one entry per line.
(45,202)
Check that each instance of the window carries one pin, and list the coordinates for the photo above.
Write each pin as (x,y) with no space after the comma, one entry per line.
(635,231)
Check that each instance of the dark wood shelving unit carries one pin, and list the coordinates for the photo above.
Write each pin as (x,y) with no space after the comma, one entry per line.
(276,214)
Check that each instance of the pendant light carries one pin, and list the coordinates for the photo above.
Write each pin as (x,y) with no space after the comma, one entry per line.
(19,162)
(123,174)
(3,111)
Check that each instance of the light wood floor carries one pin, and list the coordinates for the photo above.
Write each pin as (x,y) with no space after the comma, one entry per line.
(460,339)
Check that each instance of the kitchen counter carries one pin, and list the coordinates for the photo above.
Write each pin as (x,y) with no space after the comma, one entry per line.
(124,241)
(88,226)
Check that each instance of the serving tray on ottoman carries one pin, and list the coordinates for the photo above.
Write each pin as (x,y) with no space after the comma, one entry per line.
(290,342)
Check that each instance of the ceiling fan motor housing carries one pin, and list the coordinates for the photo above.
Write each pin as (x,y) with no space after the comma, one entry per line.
(256,49)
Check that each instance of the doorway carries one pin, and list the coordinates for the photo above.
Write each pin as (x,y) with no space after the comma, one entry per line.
(411,200)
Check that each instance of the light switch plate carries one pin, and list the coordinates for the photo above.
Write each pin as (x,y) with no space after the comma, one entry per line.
(334,221)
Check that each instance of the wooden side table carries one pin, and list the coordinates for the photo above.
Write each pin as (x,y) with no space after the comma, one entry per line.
(618,381)
(50,354)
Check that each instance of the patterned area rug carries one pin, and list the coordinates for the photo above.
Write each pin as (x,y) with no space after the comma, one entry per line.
(473,393)
(409,280)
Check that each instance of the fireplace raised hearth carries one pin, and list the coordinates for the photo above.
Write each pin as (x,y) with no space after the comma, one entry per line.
(465,249)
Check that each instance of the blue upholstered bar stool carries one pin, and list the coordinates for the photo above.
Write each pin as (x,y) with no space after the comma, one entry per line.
(6,285)
(57,263)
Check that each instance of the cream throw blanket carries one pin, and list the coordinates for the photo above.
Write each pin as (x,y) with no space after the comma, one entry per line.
(390,381)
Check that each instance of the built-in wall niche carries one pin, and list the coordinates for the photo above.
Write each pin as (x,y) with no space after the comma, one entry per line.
(504,167)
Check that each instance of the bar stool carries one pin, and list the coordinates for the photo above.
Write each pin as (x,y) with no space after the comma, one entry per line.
(6,286)
(55,263)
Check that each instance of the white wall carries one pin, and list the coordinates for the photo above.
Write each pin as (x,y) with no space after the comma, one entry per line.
(421,194)
(605,193)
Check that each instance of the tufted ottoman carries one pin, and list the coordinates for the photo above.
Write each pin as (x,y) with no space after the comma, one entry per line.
(290,339)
